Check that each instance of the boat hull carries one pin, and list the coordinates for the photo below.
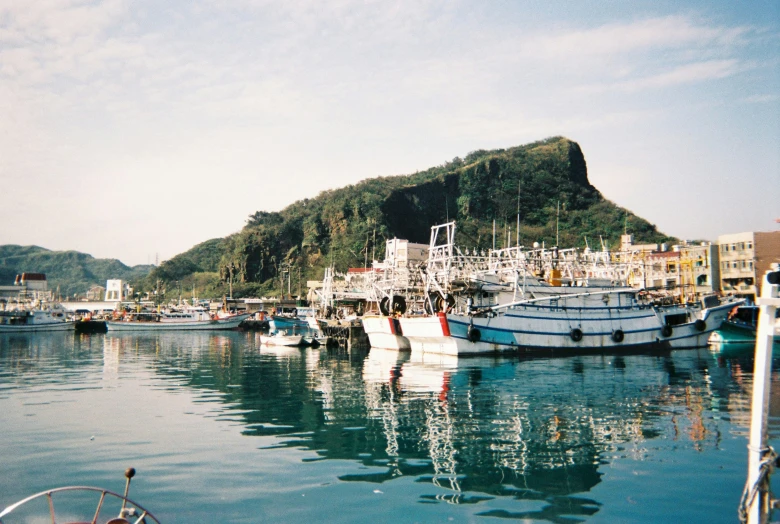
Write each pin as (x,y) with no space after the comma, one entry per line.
(37,328)
(196,325)
(281,322)
(286,340)
(385,332)
(561,330)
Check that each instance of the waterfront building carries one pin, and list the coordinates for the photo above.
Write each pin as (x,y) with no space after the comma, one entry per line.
(27,287)
(689,269)
(402,253)
(118,291)
(744,257)
(95,293)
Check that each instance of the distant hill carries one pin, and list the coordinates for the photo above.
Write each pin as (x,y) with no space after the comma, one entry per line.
(546,181)
(72,271)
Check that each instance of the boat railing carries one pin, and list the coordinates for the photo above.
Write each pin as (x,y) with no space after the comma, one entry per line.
(560,297)
(129,509)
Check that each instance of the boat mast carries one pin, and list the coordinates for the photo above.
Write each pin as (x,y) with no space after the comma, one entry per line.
(517,240)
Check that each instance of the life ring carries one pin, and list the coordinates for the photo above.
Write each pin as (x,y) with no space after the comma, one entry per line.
(473,334)
(700,325)
(576,334)
(618,335)
(666,330)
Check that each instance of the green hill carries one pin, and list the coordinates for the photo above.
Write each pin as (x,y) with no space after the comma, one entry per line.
(71,271)
(547,181)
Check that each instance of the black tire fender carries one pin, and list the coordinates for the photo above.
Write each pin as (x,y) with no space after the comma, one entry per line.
(399,305)
(576,334)
(384,306)
(618,335)
(474,334)
(667,330)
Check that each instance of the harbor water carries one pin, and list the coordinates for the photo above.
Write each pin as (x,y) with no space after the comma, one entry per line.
(223,429)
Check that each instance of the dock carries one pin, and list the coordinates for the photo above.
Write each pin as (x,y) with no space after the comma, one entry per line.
(348,334)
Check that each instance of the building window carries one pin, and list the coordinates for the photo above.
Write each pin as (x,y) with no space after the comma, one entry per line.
(724,248)
(750,245)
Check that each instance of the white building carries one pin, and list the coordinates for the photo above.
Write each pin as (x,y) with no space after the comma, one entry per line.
(118,291)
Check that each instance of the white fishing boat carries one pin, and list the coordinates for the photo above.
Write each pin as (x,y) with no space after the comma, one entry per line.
(190,318)
(36,320)
(599,321)
(280,338)
(474,313)
(385,332)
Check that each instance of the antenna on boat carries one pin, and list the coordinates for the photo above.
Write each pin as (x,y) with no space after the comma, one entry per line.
(494,233)
(557,215)
(517,240)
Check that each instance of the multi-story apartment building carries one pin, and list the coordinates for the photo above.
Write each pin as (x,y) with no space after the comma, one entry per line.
(744,258)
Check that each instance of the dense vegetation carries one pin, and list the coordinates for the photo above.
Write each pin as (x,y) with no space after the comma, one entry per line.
(546,181)
(70,272)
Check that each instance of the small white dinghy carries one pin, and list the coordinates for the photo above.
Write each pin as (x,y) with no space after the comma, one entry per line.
(279,338)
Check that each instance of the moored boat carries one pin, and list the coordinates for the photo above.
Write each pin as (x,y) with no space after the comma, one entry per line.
(739,328)
(279,338)
(385,332)
(35,320)
(599,321)
(192,318)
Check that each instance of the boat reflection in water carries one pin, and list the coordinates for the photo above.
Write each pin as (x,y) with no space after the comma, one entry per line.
(248,430)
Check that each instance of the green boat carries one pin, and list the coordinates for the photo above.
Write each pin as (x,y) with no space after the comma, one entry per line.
(738,332)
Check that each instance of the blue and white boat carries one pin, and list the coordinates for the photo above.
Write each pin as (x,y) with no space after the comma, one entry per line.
(596,321)
(469,313)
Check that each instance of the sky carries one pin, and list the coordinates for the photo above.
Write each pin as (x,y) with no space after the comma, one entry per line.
(138,129)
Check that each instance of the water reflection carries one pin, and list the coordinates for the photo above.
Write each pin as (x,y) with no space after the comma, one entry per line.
(540,434)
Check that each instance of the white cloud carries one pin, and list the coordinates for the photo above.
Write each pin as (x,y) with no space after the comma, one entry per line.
(683,74)
(761,99)
(324,93)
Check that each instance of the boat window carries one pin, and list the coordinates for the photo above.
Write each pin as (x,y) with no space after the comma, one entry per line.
(676,319)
